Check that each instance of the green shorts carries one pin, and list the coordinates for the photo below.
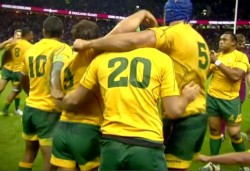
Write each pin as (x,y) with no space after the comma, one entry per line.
(180,142)
(7,74)
(229,110)
(76,143)
(39,125)
(16,76)
(119,156)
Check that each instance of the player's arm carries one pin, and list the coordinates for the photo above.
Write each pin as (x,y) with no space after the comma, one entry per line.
(5,43)
(25,78)
(119,42)
(174,106)
(241,158)
(59,58)
(236,73)
(75,99)
(132,22)
(248,80)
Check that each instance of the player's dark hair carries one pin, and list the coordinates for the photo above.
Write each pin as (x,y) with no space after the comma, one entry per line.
(53,27)
(85,30)
(240,37)
(233,36)
(25,31)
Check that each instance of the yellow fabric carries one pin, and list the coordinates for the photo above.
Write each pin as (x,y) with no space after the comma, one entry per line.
(129,110)
(220,85)
(45,141)
(38,65)
(177,163)
(71,75)
(69,164)
(215,137)
(238,141)
(90,165)
(190,55)
(30,137)
(25,165)
(8,62)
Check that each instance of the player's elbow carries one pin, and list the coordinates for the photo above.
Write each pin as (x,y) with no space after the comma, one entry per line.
(173,114)
(70,104)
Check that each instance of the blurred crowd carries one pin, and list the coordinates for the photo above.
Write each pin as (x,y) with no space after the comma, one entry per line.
(12,20)
(205,9)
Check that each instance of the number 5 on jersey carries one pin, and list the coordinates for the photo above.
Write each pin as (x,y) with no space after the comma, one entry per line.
(114,81)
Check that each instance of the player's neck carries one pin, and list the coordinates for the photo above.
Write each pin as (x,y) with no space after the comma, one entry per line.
(228,51)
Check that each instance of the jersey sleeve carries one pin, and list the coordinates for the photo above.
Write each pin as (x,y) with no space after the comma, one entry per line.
(163,37)
(62,54)
(89,79)
(243,63)
(169,85)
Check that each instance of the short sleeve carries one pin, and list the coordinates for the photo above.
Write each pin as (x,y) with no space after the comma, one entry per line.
(62,54)
(90,78)
(163,38)
(243,63)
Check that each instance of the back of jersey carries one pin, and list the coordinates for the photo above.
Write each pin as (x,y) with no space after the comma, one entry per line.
(131,85)
(17,53)
(38,63)
(190,54)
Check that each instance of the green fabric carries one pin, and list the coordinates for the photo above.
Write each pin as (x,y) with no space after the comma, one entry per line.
(119,156)
(215,145)
(17,103)
(38,122)
(239,147)
(184,137)
(227,109)
(76,141)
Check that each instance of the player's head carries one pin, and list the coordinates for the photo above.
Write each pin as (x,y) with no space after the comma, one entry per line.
(53,27)
(86,30)
(241,41)
(27,34)
(175,10)
(18,34)
(228,41)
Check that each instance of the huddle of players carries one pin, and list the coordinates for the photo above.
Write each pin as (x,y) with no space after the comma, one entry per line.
(109,101)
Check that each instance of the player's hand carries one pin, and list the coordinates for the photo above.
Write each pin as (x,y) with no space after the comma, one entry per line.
(57,94)
(191,91)
(203,158)
(149,19)
(79,44)
(213,56)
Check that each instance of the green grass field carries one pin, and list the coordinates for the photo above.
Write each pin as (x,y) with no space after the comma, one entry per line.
(12,144)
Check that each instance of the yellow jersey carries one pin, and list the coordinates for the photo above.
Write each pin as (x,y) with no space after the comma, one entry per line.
(72,72)
(190,55)
(38,61)
(13,57)
(131,85)
(220,85)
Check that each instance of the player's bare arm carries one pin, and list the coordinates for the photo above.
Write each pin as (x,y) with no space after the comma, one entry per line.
(119,42)
(25,83)
(235,74)
(132,22)
(9,41)
(74,99)
(229,158)
(248,80)
(56,88)
(174,106)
